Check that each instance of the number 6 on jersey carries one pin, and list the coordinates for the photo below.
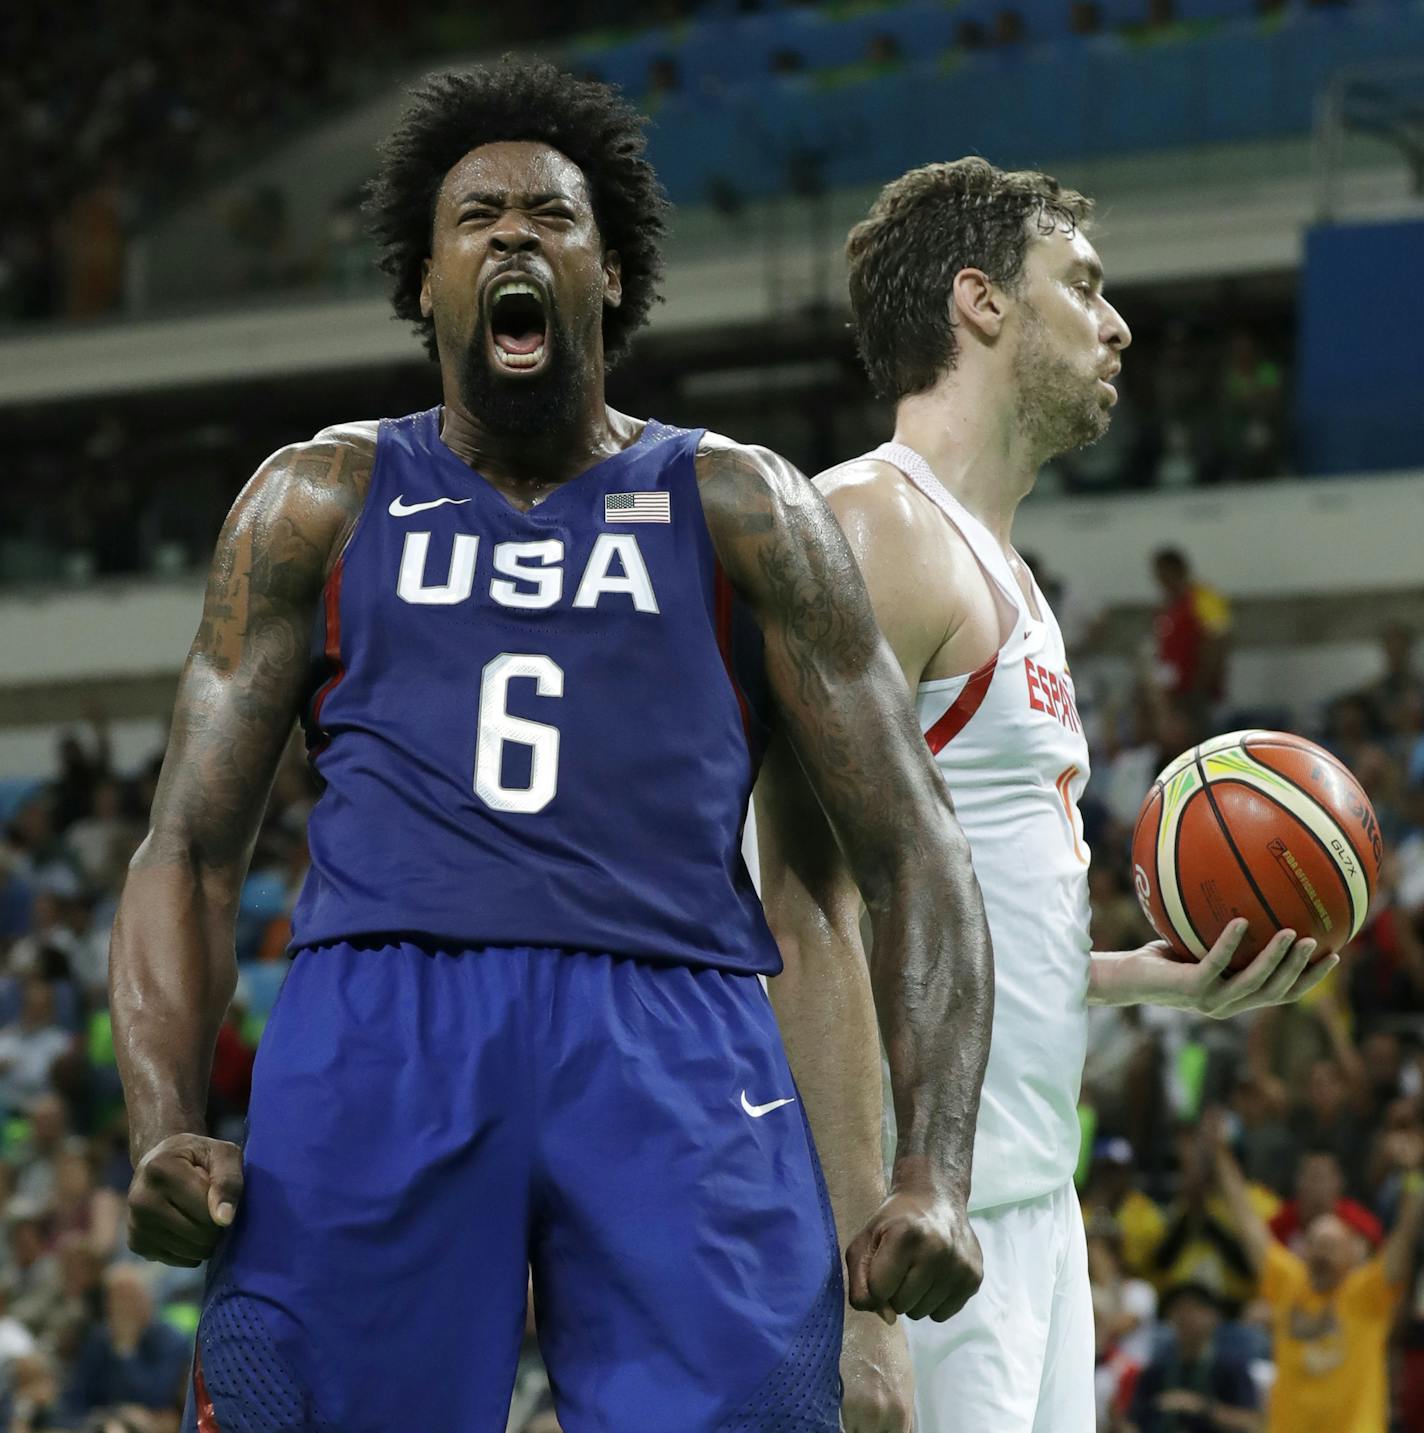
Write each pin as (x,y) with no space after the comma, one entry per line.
(497,727)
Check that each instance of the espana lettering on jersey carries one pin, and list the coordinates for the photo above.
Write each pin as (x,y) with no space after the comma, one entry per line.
(1052,692)
(526,575)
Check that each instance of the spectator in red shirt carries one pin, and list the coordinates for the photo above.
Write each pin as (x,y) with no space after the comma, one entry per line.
(1191,630)
(1320,1189)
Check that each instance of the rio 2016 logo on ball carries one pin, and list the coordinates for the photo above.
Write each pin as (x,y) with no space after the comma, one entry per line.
(1256,824)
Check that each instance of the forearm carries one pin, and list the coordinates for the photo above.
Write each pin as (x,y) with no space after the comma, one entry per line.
(827,1021)
(172,967)
(172,972)
(1342,1045)
(822,997)
(1251,1229)
(1125,977)
(933,977)
(1403,1240)
(846,712)
(1113,978)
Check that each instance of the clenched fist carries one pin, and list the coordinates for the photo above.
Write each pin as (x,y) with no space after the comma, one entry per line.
(917,1256)
(185,1192)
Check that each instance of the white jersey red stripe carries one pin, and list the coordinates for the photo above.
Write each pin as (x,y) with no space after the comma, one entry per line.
(1009,743)
(957,714)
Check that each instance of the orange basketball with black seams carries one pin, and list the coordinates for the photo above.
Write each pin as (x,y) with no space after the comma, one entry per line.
(1262,825)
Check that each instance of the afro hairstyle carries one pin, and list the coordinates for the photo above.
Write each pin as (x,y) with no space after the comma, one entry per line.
(450,113)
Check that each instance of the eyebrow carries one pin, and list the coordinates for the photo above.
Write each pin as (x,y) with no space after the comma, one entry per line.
(1092,268)
(493,200)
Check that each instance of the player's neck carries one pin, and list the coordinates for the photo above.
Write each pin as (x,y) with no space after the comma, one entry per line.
(974,444)
(535,462)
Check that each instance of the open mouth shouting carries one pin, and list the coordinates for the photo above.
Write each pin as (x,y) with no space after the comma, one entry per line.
(519,323)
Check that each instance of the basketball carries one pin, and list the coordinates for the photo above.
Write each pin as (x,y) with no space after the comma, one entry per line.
(1256,824)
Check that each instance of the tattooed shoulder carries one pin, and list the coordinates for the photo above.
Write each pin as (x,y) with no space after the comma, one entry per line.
(283,535)
(329,476)
(781,547)
(243,684)
(742,485)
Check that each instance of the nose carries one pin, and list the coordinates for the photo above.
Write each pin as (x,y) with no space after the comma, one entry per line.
(513,234)
(1115,332)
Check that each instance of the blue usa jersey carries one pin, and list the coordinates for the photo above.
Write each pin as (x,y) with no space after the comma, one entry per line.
(535,728)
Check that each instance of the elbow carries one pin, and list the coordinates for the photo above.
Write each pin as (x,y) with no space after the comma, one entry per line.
(787,943)
(815,933)
(216,876)
(934,850)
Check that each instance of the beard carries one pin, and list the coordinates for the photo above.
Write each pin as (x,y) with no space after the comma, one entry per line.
(523,407)
(1058,408)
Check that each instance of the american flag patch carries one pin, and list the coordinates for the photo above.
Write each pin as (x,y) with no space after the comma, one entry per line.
(637,507)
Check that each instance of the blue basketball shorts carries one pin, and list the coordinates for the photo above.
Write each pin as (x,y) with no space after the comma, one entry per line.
(427,1127)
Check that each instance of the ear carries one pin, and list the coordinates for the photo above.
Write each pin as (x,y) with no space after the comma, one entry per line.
(426,307)
(612,278)
(979,303)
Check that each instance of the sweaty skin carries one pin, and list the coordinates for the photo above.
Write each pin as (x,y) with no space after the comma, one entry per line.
(173,967)
(524,208)
(985,440)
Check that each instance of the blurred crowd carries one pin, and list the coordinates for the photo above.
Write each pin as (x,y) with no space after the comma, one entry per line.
(112,119)
(1320,1107)
(112,122)
(1213,406)
(111,492)
(1249,1185)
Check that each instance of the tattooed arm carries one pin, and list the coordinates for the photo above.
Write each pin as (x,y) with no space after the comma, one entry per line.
(172,967)
(846,713)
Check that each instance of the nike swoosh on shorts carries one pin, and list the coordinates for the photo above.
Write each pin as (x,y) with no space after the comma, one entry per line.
(757,1111)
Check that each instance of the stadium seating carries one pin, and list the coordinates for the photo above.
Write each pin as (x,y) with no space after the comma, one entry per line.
(1218,75)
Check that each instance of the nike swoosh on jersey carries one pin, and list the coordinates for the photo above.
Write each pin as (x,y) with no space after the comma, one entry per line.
(400,508)
(757,1111)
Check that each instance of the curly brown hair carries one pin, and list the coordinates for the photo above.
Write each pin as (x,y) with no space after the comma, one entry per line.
(449,114)
(921,231)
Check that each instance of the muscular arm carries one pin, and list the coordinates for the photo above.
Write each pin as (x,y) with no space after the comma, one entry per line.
(1407,1150)
(1251,1229)
(1403,1239)
(847,716)
(172,967)
(822,998)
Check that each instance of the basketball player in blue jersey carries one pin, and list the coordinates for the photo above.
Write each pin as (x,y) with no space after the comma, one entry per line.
(536,645)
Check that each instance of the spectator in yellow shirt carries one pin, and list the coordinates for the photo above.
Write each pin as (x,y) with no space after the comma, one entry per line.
(1202,1242)
(1331,1307)
(1112,1195)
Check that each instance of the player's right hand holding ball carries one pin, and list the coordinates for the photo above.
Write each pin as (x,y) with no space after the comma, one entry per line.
(184,1194)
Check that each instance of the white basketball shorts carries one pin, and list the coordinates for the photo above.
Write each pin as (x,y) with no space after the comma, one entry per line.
(1018,1357)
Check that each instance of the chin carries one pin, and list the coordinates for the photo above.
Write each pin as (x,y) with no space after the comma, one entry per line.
(525,404)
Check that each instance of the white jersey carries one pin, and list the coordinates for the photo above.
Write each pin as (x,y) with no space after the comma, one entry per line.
(1010,744)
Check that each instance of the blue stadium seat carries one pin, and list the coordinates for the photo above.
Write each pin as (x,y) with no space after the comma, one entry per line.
(14,792)
(736,127)
(1214,9)
(1244,90)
